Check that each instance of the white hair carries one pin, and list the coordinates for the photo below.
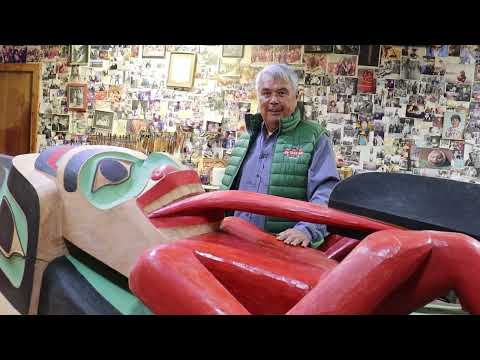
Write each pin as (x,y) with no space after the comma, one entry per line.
(278,72)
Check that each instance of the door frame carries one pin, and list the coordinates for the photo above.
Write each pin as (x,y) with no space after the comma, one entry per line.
(36,70)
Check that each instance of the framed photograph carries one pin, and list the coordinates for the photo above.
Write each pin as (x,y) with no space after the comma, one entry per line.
(79,54)
(77,97)
(103,120)
(153,51)
(233,51)
(181,70)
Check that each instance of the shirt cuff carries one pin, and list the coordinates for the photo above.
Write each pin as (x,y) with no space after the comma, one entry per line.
(316,233)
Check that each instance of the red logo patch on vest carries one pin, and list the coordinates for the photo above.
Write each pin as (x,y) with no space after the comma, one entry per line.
(293,152)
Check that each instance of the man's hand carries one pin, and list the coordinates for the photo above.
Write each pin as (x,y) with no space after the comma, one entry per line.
(294,237)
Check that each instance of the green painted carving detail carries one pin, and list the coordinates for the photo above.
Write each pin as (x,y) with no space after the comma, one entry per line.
(14,267)
(109,196)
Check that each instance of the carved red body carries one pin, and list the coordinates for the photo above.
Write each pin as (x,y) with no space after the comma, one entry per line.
(243,270)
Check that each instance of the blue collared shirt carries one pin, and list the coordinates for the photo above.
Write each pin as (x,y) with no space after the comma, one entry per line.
(322,177)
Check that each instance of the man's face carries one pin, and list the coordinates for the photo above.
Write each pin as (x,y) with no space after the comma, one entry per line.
(277,100)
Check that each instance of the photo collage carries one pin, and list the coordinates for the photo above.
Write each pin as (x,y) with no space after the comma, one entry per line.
(387,108)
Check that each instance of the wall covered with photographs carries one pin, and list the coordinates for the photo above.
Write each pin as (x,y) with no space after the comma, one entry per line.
(387,107)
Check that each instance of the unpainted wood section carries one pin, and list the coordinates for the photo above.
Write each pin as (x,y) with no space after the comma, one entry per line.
(50,241)
(179,192)
(116,236)
(6,308)
(40,267)
(19,105)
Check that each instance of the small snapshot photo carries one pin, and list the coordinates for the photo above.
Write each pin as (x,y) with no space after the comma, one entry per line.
(315,63)
(437,50)
(390,52)
(344,85)
(318,48)
(313,79)
(390,69)
(432,157)
(454,50)
(153,51)
(458,92)
(460,73)
(469,54)
(60,123)
(369,55)
(413,52)
(212,126)
(366,81)
(453,125)
(235,51)
(346,49)
(262,54)
(103,119)
(416,107)
(342,65)
(79,54)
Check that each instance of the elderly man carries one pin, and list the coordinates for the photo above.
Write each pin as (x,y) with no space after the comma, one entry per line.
(282,154)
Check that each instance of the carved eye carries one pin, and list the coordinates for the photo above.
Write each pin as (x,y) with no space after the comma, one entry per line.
(9,242)
(111,172)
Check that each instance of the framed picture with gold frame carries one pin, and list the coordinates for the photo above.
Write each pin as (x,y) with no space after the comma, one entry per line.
(77,97)
(181,70)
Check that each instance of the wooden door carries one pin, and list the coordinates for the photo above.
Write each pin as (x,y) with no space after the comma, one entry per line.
(19,94)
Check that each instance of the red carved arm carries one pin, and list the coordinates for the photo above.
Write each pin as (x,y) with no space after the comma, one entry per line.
(398,272)
(272,206)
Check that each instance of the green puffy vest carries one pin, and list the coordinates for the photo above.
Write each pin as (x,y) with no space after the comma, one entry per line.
(291,160)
